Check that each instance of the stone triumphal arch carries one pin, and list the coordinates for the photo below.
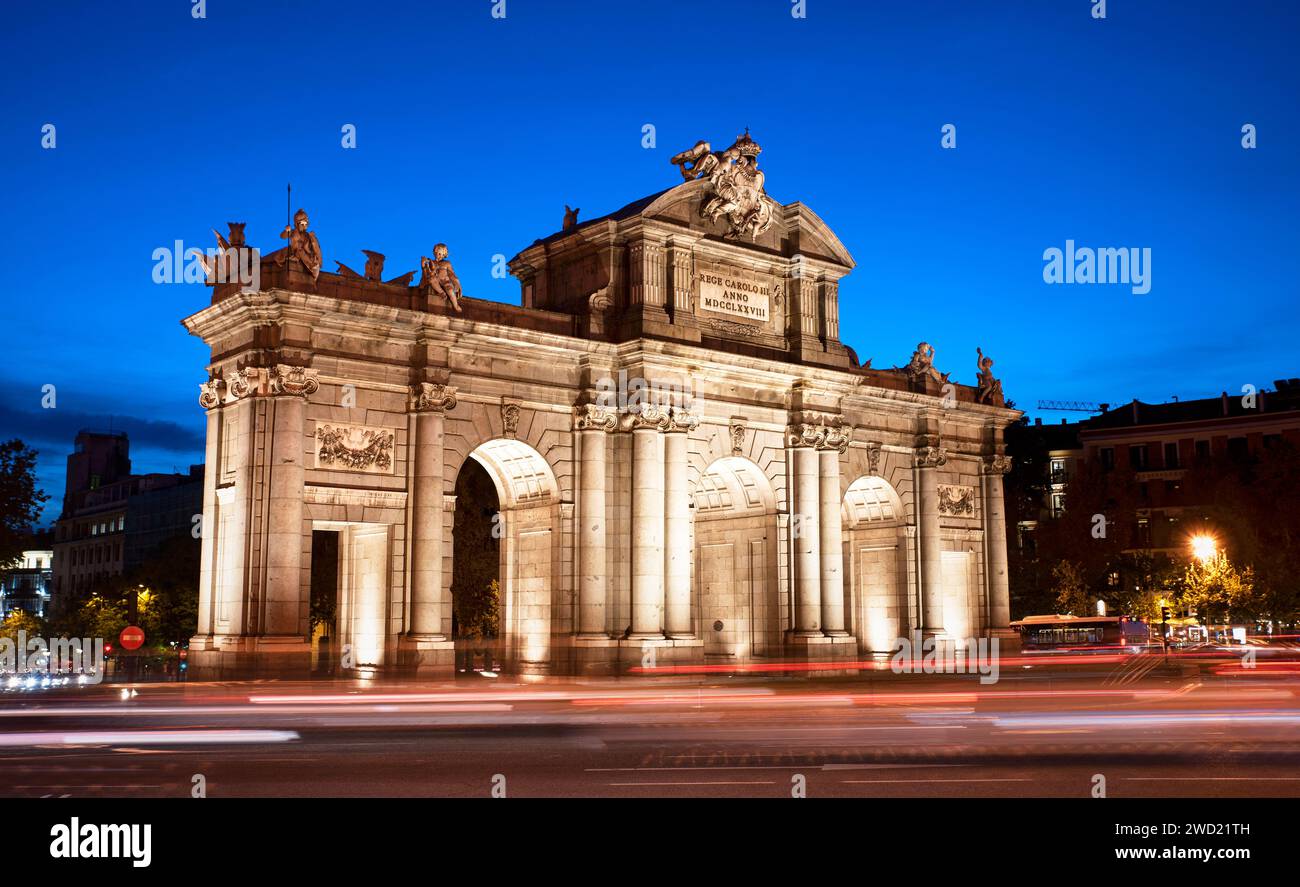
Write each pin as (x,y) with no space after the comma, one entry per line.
(689,465)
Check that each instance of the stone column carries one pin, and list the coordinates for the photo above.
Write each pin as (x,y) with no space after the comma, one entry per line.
(832,536)
(930,455)
(211,394)
(648,523)
(677,526)
(805,534)
(429,402)
(289,387)
(591,425)
(995,541)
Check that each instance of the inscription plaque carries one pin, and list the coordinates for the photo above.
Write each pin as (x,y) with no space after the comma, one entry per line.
(724,292)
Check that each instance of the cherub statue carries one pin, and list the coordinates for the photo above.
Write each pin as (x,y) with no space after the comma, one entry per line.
(922,364)
(570,217)
(438,278)
(990,389)
(303,244)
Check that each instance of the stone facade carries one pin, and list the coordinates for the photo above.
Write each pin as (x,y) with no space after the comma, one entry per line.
(690,466)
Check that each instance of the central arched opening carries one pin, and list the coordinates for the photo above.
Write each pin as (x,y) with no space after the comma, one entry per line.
(476,571)
(503,559)
(735,561)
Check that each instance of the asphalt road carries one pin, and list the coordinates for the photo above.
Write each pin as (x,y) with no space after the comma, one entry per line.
(1180,729)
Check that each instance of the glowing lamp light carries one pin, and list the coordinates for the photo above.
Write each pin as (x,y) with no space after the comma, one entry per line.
(1204,548)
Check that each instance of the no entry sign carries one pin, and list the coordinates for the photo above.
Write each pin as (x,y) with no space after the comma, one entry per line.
(131,637)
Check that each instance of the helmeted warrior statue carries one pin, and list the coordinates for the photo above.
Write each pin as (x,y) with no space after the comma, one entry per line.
(303,244)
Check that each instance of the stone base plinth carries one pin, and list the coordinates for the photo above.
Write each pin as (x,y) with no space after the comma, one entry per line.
(233,657)
(432,656)
(821,648)
(631,656)
(643,656)
(1008,640)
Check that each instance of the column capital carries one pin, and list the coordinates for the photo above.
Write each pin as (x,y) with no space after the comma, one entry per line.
(820,436)
(245,382)
(291,381)
(681,420)
(647,416)
(212,393)
(929,451)
(431,397)
(281,380)
(589,417)
(997,464)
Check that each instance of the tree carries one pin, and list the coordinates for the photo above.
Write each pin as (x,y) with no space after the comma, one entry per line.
(18,620)
(475,589)
(168,606)
(20,501)
(1071,591)
(99,616)
(1217,590)
(478,614)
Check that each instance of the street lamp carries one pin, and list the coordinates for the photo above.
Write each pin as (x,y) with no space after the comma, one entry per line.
(1204,547)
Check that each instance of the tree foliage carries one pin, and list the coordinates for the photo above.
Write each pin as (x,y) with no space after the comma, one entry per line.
(475,590)
(1218,591)
(1071,591)
(20,620)
(20,501)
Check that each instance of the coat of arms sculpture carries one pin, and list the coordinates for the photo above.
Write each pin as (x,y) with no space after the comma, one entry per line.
(736,184)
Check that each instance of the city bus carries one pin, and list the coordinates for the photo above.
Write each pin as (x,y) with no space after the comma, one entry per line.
(1083,633)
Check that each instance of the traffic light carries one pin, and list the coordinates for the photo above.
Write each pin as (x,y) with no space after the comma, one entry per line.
(1164,614)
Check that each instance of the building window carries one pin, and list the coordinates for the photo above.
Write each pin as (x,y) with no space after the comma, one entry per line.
(1144,492)
(1171,455)
(1058,471)
(1144,532)
(1025,536)
(1202,449)
(1112,579)
(1137,458)
(94,529)
(1108,458)
(1058,504)
(1272,441)
(121,522)
(1238,447)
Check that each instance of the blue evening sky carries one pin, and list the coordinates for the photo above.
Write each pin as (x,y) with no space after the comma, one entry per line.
(1123,132)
